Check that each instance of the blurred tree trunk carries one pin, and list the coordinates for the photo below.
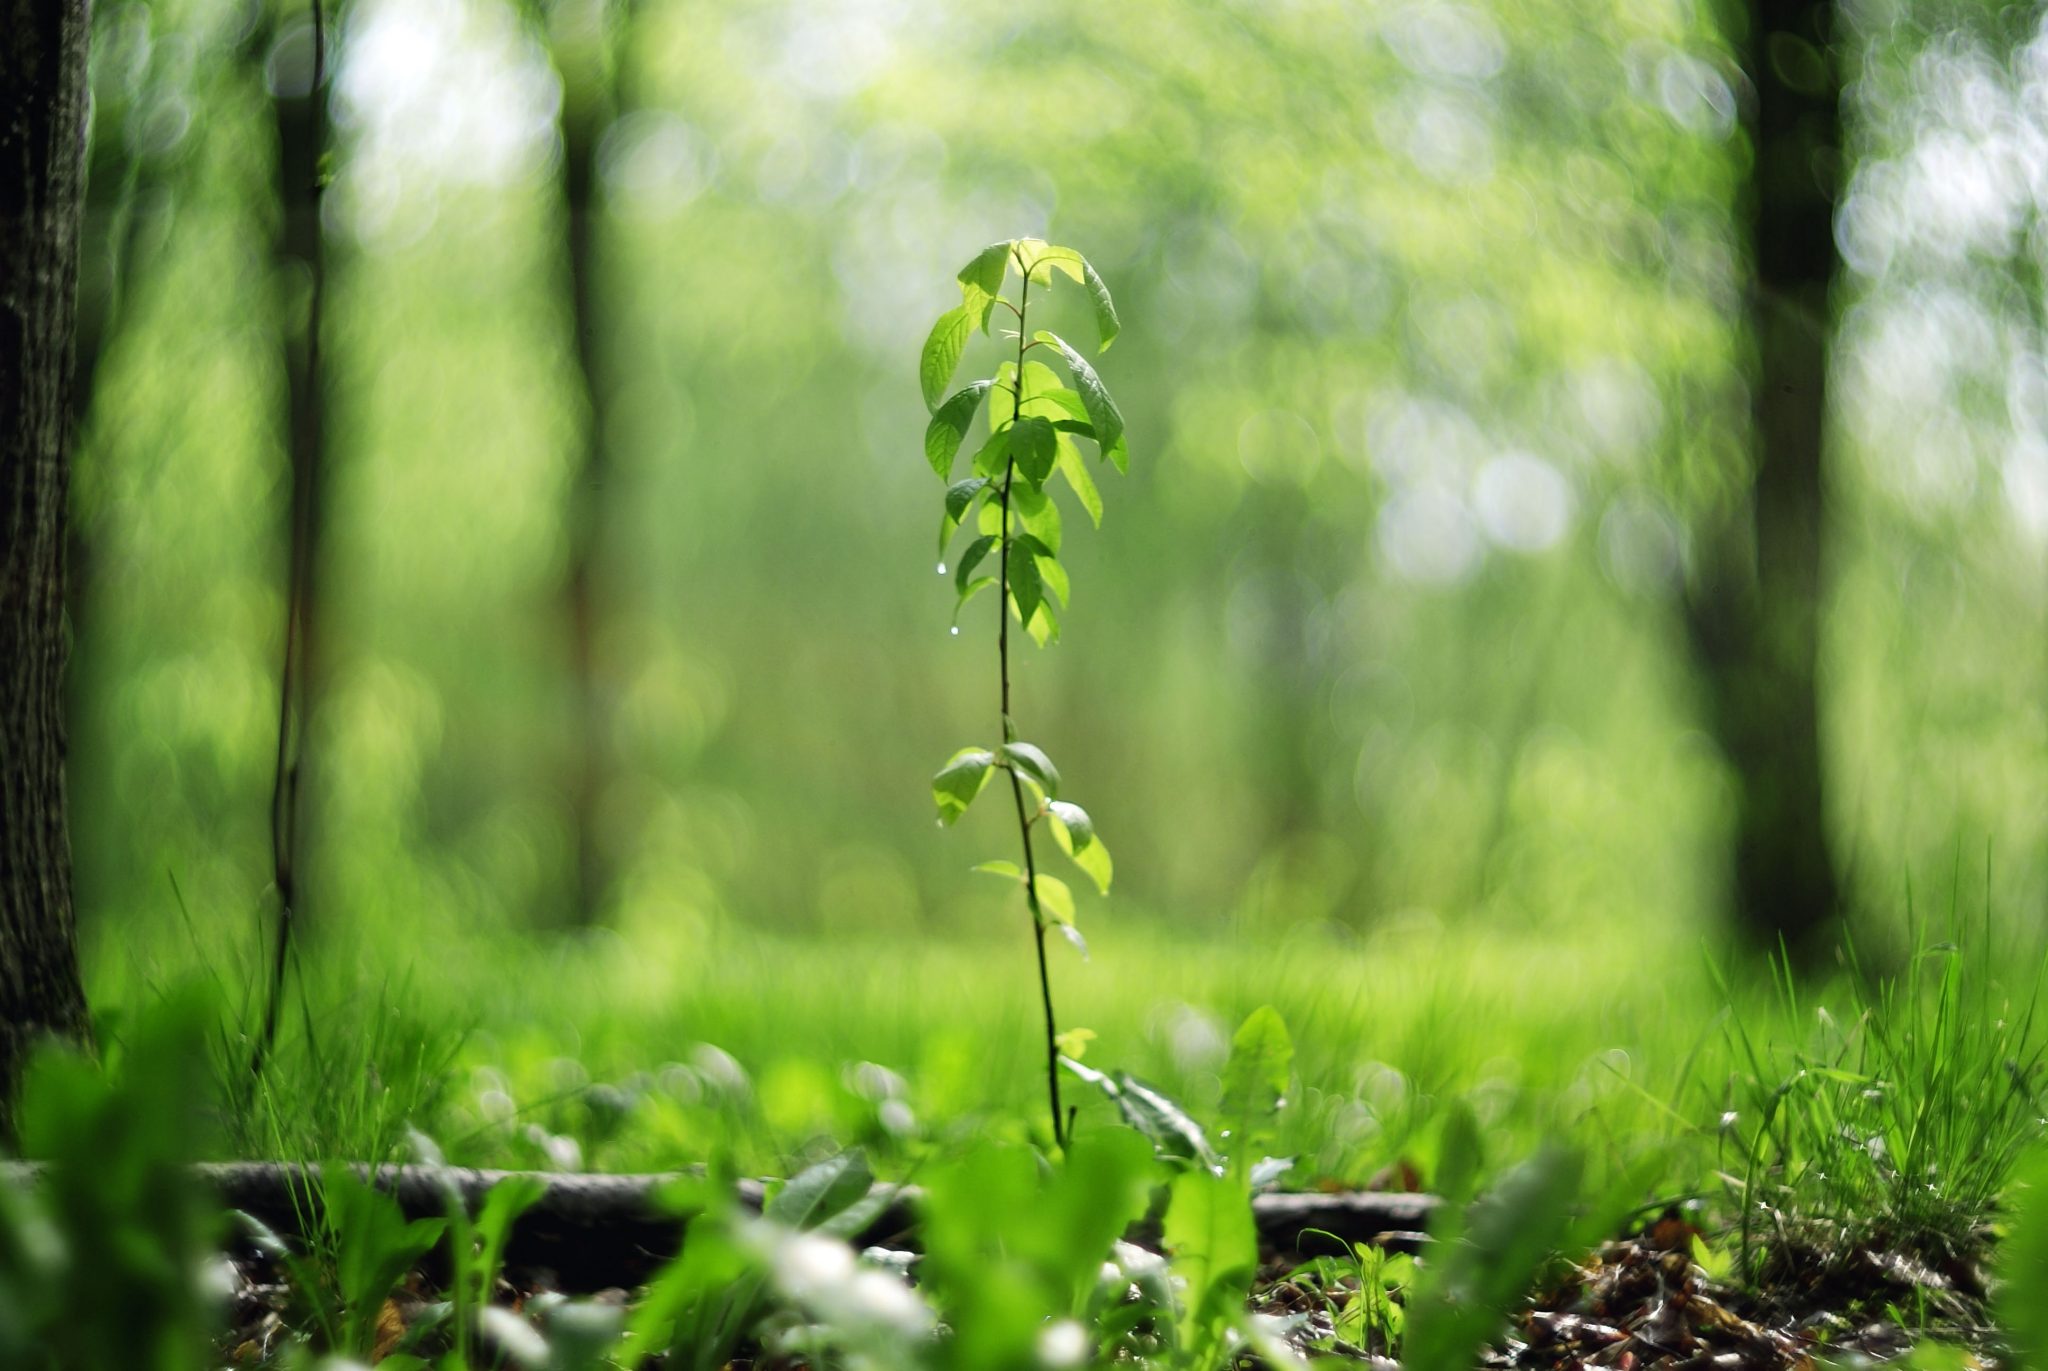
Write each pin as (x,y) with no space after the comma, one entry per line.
(1752,604)
(42,172)
(583,57)
(299,99)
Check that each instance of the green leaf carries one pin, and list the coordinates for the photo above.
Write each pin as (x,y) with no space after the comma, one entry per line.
(1041,518)
(2023,1262)
(993,455)
(1073,1044)
(1045,625)
(1078,269)
(981,281)
(1025,589)
(1161,1119)
(949,425)
(374,1246)
(1007,870)
(1078,479)
(1064,405)
(960,780)
(968,592)
(959,496)
(1462,1300)
(1043,258)
(1215,1250)
(971,559)
(1034,258)
(1255,1082)
(819,1192)
(1075,833)
(1102,410)
(1107,325)
(1043,392)
(1033,448)
(1032,761)
(1052,574)
(942,351)
(1055,898)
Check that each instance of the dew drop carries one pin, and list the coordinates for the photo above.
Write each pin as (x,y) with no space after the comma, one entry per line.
(954,630)
(942,568)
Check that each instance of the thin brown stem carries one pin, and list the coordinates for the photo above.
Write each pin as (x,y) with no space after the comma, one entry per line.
(1052,1049)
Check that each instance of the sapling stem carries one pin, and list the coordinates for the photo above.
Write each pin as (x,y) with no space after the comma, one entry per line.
(1052,1048)
(1020,525)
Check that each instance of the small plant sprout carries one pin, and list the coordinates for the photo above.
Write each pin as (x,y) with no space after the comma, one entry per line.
(1033,421)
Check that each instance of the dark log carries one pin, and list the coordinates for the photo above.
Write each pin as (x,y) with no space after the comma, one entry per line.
(590,1232)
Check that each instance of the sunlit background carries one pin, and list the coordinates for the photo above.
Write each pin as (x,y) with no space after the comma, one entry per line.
(1434,349)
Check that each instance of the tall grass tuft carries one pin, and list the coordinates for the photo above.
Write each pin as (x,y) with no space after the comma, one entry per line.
(1900,1121)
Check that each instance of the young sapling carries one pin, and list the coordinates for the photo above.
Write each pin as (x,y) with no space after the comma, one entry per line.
(1034,420)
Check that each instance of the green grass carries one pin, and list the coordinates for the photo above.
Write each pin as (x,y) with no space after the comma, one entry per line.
(661,1045)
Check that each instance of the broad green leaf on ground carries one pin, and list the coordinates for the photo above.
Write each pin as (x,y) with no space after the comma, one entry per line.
(2023,1263)
(1095,397)
(1172,1130)
(1030,759)
(374,1246)
(949,425)
(942,349)
(960,780)
(818,1192)
(1255,1082)
(1215,1249)
(1462,1300)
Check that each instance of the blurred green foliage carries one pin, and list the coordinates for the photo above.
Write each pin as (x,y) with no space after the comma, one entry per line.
(1381,666)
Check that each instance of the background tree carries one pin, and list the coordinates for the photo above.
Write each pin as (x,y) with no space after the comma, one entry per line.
(42,172)
(1753,603)
(299,96)
(584,47)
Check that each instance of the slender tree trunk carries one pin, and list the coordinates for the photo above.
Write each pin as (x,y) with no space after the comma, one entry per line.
(301,110)
(42,172)
(1753,603)
(582,56)
(585,522)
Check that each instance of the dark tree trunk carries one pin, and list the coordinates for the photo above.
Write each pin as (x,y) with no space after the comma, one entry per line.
(42,172)
(301,108)
(1753,602)
(582,57)
(585,521)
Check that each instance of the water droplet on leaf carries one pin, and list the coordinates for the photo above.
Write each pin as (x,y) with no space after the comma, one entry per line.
(942,568)
(954,630)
